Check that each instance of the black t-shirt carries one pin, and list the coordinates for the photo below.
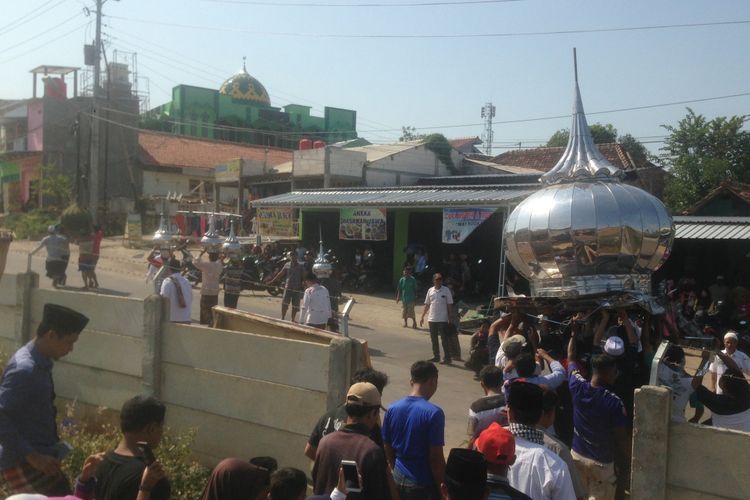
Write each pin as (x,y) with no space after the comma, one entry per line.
(118,478)
(335,420)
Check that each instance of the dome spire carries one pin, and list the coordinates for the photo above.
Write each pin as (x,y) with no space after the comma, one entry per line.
(582,159)
(244,67)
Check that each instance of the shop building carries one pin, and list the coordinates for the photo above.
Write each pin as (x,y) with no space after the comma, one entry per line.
(443,220)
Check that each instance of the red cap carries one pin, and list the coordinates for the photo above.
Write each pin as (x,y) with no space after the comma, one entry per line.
(497,445)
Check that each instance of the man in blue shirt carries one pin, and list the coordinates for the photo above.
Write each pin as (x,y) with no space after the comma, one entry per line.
(30,449)
(413,435)
(599,422)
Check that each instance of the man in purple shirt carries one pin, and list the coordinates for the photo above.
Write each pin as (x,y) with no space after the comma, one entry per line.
(30,449)
(599,423)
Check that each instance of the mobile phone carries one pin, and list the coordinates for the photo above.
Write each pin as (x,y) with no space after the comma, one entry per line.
(351,476)
(146,452)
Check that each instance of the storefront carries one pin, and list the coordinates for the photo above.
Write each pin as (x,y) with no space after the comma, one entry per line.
(390,221)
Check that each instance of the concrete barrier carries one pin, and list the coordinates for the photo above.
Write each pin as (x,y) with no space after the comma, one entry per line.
(258,391)
(681,460)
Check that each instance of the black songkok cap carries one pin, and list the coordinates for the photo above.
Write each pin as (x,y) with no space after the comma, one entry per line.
(467,470)
(63,319)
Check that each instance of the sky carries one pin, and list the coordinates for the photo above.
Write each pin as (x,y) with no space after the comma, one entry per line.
(312,52)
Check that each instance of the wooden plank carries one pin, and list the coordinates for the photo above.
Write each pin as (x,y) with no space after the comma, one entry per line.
(241,398)
(243,321)
(119,315)
(288,362)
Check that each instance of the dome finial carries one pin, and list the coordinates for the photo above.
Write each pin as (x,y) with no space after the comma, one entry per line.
(244,67)
(582,159)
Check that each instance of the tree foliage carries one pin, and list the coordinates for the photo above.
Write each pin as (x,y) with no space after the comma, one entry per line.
(701,154)
(56,186)
(602,134)
(409,133)
(438,144)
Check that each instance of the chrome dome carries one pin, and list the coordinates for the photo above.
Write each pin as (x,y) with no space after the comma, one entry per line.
(211,241)
(232,245)
(586,232)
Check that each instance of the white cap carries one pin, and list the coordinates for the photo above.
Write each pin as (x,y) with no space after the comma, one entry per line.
(614,346)
(731,335)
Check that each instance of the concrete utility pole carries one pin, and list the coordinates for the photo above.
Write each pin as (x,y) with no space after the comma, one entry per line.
(488,113)
(94,160)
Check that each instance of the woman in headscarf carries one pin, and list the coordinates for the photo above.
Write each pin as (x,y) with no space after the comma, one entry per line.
(235,479)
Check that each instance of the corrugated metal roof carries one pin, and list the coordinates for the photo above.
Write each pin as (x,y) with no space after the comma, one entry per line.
(396,197)
(712,228)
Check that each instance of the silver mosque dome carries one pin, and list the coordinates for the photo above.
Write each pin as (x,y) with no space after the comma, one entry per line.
(586,232)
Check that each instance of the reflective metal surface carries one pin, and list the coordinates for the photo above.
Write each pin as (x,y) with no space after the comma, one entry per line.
(586,232)
(231,245)
(163,236)
(322,268)
(211,241)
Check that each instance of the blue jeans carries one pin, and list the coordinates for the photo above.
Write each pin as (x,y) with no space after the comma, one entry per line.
(408,489)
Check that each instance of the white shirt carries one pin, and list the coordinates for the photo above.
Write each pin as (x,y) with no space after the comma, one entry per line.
(177,313)
(315,308)
(681,386)
(718,367)
(438,300)
(540,473)
(210,273)
(737,421)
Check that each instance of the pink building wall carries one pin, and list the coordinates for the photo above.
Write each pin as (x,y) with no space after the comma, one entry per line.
(35,134)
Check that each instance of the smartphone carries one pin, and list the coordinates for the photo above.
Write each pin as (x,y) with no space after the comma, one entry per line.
(146,452)
(351,476)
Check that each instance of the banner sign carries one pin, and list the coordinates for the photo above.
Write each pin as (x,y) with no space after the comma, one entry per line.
(362,224)
(459,223)
(276,222)
(229,171)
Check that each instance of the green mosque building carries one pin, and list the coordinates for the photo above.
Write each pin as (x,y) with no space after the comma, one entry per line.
(241,111)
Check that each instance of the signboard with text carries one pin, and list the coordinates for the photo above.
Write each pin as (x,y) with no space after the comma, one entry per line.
(367,224)
(276,222)
(459,223)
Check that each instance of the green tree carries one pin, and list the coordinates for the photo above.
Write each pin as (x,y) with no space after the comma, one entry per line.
(702,153)
(602,134)
(56,186)
(636,149)
(410,134)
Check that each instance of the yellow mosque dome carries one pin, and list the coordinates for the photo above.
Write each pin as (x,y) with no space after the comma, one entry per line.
(244,87)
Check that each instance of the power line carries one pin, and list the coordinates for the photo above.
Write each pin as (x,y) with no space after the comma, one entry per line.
(68,33)
(36,36)
(439,36)
(395,5)
(29,16)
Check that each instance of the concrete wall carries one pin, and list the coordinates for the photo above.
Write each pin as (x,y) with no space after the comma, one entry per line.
(245,394)
(684,461)
(406,167)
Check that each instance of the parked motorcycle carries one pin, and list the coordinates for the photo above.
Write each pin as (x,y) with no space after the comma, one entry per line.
(257,273)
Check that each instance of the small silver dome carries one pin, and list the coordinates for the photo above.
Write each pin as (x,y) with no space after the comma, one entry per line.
(586,232)
(211,241)
(232,245)
(163,236)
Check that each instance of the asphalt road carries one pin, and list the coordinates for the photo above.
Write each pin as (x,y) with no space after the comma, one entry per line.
(376,319)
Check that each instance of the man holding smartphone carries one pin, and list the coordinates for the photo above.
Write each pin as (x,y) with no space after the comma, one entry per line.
(351,447)
(30,449)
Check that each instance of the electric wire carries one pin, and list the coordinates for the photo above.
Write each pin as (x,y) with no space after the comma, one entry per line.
(33,15)
(428,36)
(45,44)
(36,36)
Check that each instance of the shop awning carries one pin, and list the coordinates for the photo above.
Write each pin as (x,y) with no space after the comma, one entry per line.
(412,196)
(689,227)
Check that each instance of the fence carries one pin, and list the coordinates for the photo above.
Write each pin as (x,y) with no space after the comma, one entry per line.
(684,461)
(257,392)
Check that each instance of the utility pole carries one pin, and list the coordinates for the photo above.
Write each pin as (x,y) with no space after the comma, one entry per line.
(488,113)
(94,161)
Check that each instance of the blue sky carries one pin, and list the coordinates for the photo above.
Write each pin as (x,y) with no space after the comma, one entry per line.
(425,82)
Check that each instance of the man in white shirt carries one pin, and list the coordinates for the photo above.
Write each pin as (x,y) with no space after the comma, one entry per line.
(437,307)
(717,368)
(179,292)
(210,274)
(315,308)
(537,471)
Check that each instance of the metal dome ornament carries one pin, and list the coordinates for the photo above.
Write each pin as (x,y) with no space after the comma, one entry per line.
(232,246)
(163,237)
(322,268)
(211,241)
(586,232)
